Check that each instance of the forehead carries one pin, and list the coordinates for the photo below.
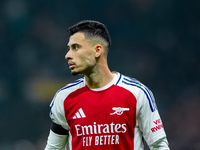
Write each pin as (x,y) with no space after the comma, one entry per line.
(78,37)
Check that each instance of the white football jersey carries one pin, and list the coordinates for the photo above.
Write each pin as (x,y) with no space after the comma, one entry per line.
(115,117)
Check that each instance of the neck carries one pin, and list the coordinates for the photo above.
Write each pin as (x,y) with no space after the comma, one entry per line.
(99,78)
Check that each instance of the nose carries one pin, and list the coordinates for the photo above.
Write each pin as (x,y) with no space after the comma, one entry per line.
(68,55)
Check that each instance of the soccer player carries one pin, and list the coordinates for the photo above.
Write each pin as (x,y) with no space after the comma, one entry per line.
(104,109)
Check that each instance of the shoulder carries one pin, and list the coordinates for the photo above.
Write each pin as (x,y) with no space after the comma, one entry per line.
(69,88)
(72,86)
(133,84)
(139,90)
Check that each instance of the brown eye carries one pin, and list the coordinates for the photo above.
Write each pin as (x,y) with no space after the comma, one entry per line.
(75,47)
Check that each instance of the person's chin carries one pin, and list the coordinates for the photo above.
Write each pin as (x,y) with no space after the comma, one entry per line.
(74,73)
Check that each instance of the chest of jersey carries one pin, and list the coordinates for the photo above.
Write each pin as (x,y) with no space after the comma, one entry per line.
(100,119)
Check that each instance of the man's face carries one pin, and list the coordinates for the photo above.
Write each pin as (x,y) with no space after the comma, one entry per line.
(81,55)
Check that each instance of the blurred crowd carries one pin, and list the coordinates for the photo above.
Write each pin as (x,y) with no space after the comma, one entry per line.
(156,42)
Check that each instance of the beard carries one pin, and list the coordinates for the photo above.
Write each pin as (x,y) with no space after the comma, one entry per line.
(74,73)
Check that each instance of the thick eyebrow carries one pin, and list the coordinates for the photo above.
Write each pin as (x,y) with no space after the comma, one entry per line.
(73,45)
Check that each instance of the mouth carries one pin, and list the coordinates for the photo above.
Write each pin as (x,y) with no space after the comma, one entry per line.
(71,65)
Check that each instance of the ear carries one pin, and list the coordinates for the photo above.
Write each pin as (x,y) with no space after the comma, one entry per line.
(98,50)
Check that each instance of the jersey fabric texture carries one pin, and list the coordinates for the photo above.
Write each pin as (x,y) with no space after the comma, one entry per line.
(115,117)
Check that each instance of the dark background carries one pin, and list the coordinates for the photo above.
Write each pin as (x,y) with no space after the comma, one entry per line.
(154,41)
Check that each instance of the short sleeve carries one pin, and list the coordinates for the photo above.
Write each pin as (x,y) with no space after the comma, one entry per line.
(57,113)
(148,117)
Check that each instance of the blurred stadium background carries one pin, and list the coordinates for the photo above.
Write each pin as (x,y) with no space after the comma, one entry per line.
(156,42)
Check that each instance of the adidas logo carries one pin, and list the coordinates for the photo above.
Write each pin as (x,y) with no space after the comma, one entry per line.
(79,114)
